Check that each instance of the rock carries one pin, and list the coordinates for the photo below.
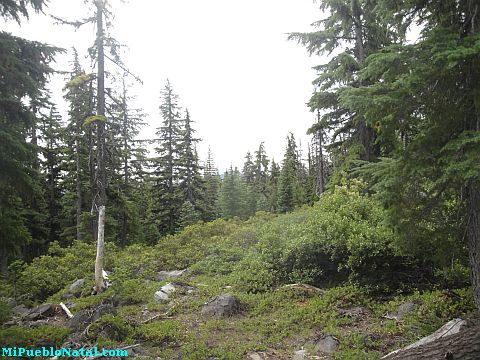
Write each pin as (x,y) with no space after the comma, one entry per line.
(160,296)
(20,310)
(164,275)
(67,296)
(254,356)
(221,306)
(164,292)
(327,345)
(300,355)
(85,317)
(168,289)
(9,301)
(77,286)
(406,309)
(354,312)
(37,323)
(39,312)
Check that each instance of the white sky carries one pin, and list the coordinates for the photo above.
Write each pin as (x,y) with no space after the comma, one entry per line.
(229,61)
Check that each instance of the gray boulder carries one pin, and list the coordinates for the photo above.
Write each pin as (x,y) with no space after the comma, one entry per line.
(327,345)
(300,355)
(221,306)
(67,296)
(254,356)
(85,317)
(164,275)
(165,291)
(40,312)
(20,310)
(77,286)
(406,309)
(160,296)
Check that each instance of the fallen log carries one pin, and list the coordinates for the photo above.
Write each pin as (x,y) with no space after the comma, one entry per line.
(455,340)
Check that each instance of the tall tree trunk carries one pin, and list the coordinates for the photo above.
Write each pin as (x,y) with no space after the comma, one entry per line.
(473,237)
(124,221)
(78,180)
(365,131)
(100,196)
(99,281)
(473,188)
(3,260)
(320,162)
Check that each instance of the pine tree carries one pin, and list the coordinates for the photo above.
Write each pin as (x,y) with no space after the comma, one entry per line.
(248,169)
(290,191)
(122,164)
(166,188)
(212,185)
(272,187)
(191,183)
(423,98)
(20,83)
(232,198)
(76,201)
(52,150)
(357,29)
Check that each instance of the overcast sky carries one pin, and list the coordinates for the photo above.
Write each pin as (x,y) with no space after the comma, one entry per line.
(229,61)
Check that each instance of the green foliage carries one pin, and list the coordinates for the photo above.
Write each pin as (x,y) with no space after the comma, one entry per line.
(342,236)
(5,312)
(161,332)
(92,119)
(79,80)
(33,337)
(48,274)
(112,328)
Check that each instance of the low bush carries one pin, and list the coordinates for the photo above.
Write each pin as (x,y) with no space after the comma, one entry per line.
(33,337)
(341,237)
(112,328)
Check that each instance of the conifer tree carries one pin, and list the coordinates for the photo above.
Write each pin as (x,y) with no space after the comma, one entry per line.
(248,169)
(166,188)
(357,29)
(290,191)
(424,99)
(232,197)
(272,187)
(52,150)
(23,82)
(76,201)
(212,186)
(191,183)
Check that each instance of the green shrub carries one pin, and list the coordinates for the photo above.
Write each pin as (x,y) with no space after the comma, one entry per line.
(161,332)
(50,273)
(33,337)
(131,291)
(5,312)
(112,328)
(342,237)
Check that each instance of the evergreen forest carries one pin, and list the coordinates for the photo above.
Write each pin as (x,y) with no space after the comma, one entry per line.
(353,246)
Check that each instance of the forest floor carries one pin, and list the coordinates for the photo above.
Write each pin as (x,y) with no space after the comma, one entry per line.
(291,322)
(225,305)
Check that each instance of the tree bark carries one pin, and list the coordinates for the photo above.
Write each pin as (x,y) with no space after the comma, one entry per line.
(320,162)
(3,260)
(100,196)
(473,237)
(124,220)
(99,282)
(462,346)
(78,213)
